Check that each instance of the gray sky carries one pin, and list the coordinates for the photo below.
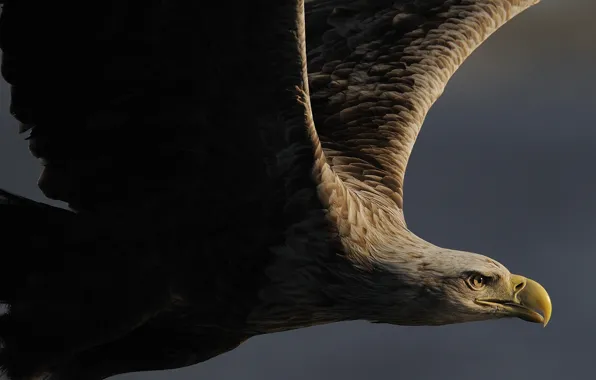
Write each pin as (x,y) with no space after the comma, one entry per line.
(504,166)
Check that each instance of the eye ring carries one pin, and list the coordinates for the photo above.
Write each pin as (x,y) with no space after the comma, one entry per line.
(477,281)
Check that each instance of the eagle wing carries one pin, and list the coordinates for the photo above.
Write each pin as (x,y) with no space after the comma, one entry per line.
(159,98)
(377,66)
(132,97)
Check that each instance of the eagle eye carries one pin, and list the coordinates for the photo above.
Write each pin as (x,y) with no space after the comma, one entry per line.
(477,281)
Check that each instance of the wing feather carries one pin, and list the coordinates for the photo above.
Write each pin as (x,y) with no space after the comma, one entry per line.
(377,66)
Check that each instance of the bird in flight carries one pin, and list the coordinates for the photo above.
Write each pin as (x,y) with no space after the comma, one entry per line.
(230,171)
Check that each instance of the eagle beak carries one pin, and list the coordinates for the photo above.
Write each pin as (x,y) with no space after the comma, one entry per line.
(529,301)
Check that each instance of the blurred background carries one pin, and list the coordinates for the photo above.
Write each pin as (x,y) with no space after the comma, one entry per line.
(504,166)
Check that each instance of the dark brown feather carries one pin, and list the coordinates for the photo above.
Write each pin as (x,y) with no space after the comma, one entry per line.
(377,66)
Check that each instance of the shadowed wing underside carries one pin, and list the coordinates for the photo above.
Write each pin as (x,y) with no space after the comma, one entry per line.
(151,93)
(377,66)
(170,100)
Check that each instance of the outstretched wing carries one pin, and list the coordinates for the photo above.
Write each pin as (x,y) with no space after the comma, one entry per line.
(377,66)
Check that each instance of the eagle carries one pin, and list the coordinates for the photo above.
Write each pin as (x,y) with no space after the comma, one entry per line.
(231,169)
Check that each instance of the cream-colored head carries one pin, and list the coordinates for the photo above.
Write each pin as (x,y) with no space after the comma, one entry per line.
(441,286)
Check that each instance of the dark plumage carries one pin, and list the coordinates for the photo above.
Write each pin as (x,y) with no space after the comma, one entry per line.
(219,192)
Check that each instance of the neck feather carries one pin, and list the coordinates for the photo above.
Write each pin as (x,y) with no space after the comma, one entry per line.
(340,271)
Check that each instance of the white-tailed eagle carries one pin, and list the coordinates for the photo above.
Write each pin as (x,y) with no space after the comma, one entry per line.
(233,168)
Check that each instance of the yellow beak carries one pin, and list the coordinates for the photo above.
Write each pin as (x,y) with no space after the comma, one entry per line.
(532,296)
(528,300)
